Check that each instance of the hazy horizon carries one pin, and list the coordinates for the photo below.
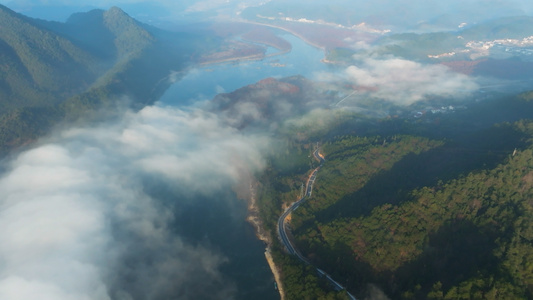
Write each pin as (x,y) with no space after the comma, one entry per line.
(397,14)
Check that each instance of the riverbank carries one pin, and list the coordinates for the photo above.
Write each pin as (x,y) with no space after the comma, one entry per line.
(234,59)
(275,272)
(254,219)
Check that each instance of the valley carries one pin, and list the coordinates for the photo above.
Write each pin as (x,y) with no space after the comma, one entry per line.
(162,144)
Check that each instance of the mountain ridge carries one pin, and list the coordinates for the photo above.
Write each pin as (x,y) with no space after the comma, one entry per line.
(73,69)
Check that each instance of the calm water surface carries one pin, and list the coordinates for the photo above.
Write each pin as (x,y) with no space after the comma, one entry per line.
(204,83)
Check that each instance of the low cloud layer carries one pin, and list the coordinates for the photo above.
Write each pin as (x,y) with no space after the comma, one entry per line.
(402,81)
(77,222)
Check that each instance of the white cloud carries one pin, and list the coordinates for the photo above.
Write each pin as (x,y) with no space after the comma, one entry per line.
(402,81)
(75,220)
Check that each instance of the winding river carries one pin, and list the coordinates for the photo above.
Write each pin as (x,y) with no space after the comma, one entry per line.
(203,83)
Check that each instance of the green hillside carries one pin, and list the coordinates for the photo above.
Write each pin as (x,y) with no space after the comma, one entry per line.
(418,237)
(37,66)
(110,34)
(410,209)
(52,72)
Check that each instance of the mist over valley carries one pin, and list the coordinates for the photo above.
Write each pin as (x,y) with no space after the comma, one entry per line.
(266,150)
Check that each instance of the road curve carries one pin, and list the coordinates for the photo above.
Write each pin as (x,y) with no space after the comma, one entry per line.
(282,221)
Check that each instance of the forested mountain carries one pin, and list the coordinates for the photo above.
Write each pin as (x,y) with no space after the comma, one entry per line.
(380,216)
(110,34)
(52,72)
(37,66)
(410,210)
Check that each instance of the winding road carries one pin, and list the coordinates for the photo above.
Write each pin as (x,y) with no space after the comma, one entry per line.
(282,222)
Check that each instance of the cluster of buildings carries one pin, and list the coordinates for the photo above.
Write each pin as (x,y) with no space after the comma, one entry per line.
(479,49)
(485,45)
(436,110)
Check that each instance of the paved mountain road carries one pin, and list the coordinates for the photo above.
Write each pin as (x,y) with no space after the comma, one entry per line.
(282,222)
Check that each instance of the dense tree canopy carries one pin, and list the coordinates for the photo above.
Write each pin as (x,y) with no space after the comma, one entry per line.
(413,217)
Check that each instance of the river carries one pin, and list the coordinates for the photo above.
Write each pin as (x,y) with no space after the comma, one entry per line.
(205,82)
(223,224)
